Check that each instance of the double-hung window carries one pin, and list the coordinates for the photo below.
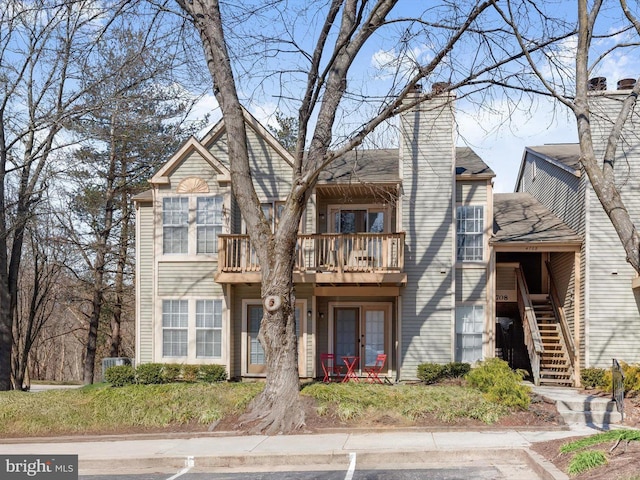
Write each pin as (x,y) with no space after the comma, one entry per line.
(175,323)
(175,225)
(191,225)
(208,224)
(469,229)
(469,322)
(209,328)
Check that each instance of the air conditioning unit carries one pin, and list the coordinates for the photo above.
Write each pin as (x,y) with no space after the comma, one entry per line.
(114,361)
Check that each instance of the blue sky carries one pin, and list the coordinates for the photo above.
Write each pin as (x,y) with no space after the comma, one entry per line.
(499,134)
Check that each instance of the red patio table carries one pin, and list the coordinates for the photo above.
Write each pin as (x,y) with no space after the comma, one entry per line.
(351,362)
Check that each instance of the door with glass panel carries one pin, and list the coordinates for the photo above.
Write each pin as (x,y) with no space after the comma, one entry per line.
(362,332)
(374,336)
(255,352)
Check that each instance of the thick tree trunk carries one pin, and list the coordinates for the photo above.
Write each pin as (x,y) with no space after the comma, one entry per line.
(278,408)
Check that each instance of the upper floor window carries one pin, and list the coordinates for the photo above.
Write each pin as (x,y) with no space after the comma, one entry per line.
(208,224)
(191,225)
(175,225)
(469,229)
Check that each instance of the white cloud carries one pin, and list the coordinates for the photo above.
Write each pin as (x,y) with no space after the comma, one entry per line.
(499,137)
(390,63)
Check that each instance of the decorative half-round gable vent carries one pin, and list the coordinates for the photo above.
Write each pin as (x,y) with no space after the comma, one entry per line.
(193,185)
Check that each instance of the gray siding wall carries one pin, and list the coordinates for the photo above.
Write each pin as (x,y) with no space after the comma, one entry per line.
(613,308)
(564,194)
(427,156)
(471,285)
(557,189)
(562,266)
(144,231)
(468,192)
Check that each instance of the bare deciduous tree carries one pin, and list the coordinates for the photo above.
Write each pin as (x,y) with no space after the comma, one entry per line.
(568,83)
(463,51)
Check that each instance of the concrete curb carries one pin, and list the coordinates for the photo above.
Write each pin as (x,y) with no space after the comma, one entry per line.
(207,434)
(314,461)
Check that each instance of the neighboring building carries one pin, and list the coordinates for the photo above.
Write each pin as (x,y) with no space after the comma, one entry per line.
(609,297)
(401,251)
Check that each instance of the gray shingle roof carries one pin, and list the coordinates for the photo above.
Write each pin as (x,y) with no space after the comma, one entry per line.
(468,163)
(566,153)
(381,166)
(519,217)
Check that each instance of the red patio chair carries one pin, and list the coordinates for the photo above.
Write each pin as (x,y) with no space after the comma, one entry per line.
(329,367)
(373,371)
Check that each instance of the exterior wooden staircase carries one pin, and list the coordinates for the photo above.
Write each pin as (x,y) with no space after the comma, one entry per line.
(555,365)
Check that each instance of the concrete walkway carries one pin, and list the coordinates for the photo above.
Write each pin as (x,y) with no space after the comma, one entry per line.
(146,453)
(219,450)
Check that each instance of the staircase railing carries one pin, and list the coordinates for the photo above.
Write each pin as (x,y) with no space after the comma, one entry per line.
(558,310)
(532,337)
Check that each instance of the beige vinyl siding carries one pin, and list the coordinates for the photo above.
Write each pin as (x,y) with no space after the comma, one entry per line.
(219,148)
(468,192)
(471,285)
(272,175)
(177,279)
(614,317)
(144,227)
(194,166)
(427,151)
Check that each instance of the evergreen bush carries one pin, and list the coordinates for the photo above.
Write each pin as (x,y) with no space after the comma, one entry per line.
(149,373)
(120,375)
(212,373)
(500,384)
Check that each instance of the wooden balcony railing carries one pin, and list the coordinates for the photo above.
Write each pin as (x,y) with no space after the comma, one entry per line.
(322,252)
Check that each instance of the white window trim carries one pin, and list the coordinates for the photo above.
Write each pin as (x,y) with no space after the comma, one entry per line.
(192,227)
(483,334)
(484,235)
(191,333)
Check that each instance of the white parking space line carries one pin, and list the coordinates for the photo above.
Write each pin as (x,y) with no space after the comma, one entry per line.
(189,465)
(352,466)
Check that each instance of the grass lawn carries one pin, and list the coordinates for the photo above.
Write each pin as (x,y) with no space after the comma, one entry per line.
(103,409)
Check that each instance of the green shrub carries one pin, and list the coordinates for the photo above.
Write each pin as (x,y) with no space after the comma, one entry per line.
(212,373)
(430,372)
(631,378)
(456,369)
(500,384)
(189,373)
(120,375)
(171,372)
(149,373)
(593,377)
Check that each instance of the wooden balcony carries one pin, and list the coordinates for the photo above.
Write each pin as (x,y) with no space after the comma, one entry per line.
(327,258)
